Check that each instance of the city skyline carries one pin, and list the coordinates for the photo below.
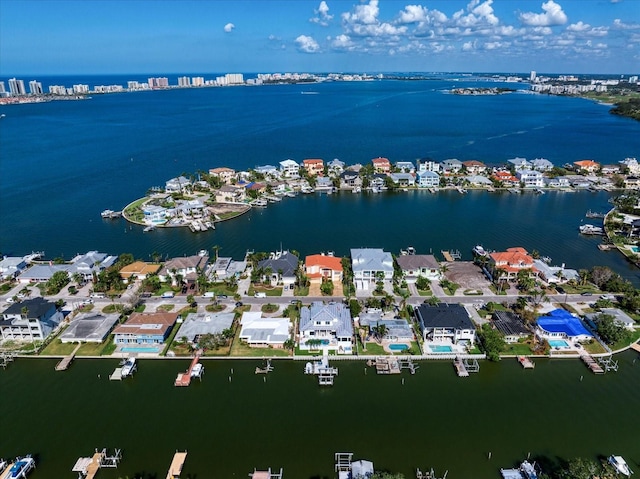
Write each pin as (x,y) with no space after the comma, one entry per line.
(112,36)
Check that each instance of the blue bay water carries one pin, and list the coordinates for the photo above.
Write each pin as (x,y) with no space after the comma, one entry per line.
(63,162)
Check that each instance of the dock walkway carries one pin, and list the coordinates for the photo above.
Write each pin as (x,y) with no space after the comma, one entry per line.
(635,347)
(176,465)
(526,362)
(447,256)
(461,370)
(592,364)
(184,379)
(65,362)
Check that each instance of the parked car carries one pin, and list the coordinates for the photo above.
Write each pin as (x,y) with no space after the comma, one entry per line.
(586,293)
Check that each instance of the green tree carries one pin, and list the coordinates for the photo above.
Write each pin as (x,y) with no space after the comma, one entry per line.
(422,283)
(609,329)
(491,342)
(355,307)
(579,468)
(631,301)
(379,331)
(326,287)
(190,299)
(58,280)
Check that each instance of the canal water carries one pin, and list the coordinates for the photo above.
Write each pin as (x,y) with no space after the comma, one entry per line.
(431,419)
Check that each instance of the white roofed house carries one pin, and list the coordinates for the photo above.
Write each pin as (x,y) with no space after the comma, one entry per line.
(428,165)
(530,178)
(264,332)
(154,214)
(267,170)
(541,164)
(406,167)
(403,179)
(177,185)
(31,320)
(519,164)
(451,166)
(90,263)
(335,167)
(478,180)
(559,182)
(326,327)
(632,165)
(290,169)
(428,179)
(370,263)
(11,267)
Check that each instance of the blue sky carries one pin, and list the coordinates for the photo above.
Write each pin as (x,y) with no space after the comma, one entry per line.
(182,36)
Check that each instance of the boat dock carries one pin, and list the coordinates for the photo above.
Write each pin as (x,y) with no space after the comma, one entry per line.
(65,362)
(465,366)
(6,358)
(386,365)
(451,256)
(266,369)
(430,474)
(176,465)
(126,369)
(268,474)
(184,379)
(526,362)
(635,347)
(19,468)
(88,467)
(322,369)
(592,364)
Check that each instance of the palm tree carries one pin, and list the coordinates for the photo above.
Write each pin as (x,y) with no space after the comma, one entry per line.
(537,297)
(497,277)
(584,276)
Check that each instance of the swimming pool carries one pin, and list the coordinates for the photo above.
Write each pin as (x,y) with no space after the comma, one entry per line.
(558,343)
(635,249)
(398,347)
(437,348)
(140,349)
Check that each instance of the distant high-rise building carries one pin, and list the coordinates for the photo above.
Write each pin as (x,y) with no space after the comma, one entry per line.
(16,87)
(35,87)
(2,90)
(633,79)
(234,78)
(184,82)
(532,76)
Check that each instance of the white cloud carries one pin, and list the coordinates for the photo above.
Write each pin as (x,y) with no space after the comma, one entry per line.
(578,27)
(363,21)
(307,44)
(322,15)
(620,25)
(228,27)
(342,42)
(553,15)
(468,46)
(477,14)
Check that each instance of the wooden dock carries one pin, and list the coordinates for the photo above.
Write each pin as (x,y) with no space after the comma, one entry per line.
(447,256)
(592,364)
(388,365)
(65,362)
(88,467)
(636,347)
(184,379)
(176,465)
(461,370)
(526,362)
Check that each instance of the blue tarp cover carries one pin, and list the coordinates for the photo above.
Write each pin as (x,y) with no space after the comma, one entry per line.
(561,321)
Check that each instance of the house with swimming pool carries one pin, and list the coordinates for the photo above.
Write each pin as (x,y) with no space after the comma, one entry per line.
(445,324)
(326,327)
(558,326)
(145,328)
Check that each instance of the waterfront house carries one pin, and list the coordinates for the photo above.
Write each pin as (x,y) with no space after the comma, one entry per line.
(511,325)
(350,179)
(588,166)
(177,185)
(261,188)
(40,273)
(445,323)
(224,268)
(451,166)
(428,179)
(368,264)
(474,167)
(31,320)
(138,270)
(531,178)
(619,317)
(12,266)
(381,165)
(378,181)
(289,169)
(231,194)
(326,327)
(89,263)
(155,214)
(397,329)
(283,266)
(403,179)
(560,324)
(554,274)
(187,267)
(610,169)
(428,165)
(632,182)
(145,328)
(511,262)
(196,325)
(335,167)
(324,183)
(559,182)
(518,164)
(89,327)
(415,265)
(541,164)
(313,167)
(506,178)
(226,175)
(322,266)
(405,167)
(267,170)
(632,165)
(261,332)
(478,180)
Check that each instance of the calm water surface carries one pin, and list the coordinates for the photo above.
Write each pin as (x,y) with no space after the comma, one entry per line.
(434,420)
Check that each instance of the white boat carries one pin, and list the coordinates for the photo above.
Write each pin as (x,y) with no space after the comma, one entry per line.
(107,213)
(529,470)
(209,225)
(129,367)
(539,191)
(149,228)
(21,467)
(197,371)
(3,465)
(356,189)
(591,230)
(478,250)
(620,465)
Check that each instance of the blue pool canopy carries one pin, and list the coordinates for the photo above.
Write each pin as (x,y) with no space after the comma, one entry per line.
(561,321)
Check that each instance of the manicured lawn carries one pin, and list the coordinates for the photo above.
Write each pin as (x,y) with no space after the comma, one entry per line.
(165,307)
(517,349)
(215,308)
(594,347)
(425,292)
(221,288)
(374,349)
(269,308)
(240,349)
(623,344)
(97,349)
(58,348)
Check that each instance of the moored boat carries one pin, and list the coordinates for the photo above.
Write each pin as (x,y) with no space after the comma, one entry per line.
(620,465)
(197,371)
(129,367)
(478,250)
(591,230)
(21,467)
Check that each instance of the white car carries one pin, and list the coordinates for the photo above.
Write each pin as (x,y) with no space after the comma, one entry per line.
(10,300)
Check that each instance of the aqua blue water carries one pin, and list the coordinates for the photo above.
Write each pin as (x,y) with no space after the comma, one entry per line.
(136,349)
(398,347)
(558,343)
(64,162)
(436,348)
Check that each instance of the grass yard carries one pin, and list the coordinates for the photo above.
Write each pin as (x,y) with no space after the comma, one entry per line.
(58,348)
(517,349)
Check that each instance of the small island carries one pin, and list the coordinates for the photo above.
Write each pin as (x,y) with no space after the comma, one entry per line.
(481,91)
